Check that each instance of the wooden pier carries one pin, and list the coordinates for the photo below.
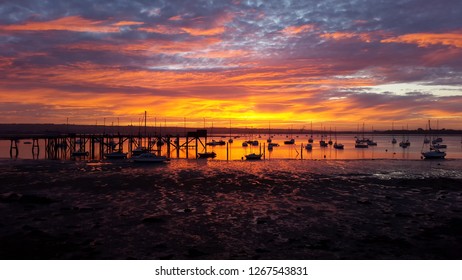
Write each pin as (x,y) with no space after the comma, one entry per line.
(96,146)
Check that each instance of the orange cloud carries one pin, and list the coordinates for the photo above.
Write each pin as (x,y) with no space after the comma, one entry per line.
(218,54)
(294,30)
(453,39)
(204,32)
(151,46)
(71,23)
(126,23)
(164,29)
(365,37)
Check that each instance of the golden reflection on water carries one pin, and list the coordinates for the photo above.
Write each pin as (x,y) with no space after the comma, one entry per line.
(235,151)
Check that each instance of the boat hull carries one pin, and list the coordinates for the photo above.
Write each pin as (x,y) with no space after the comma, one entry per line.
(207,155)
(434,155)
(253,157)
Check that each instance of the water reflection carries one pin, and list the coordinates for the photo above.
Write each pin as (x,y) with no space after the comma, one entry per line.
(235,151)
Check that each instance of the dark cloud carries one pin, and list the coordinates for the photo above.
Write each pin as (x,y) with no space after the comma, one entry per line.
(304,49)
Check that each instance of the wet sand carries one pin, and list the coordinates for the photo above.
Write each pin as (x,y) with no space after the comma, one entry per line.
(281,209)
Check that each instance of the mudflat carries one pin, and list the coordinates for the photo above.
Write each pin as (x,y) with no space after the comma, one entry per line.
(194,209)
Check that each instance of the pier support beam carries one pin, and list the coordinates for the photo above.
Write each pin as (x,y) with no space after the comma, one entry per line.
(35,147)
(14,148)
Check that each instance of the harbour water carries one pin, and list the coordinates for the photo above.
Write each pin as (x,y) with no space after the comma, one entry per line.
(384,149)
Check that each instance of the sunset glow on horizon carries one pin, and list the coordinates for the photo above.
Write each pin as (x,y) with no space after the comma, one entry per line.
(250,63)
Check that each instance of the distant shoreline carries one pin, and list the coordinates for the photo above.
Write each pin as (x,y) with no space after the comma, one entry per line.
(41,129)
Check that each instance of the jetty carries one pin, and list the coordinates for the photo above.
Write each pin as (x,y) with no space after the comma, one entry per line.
(95,146)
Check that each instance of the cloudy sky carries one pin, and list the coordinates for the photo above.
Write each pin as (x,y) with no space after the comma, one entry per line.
(340,62)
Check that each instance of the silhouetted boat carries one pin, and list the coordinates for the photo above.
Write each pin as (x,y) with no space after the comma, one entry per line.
(116,155)
(360,144)
(404,144)
(290,142)
(149,158)
(393,141)
(338,146)
(440,146)
(371,142)
(253,156)
(433,154)
(139,150)
(311,135)
(273,145)
(207,155)
(245,144)
(309,146)
(216,143)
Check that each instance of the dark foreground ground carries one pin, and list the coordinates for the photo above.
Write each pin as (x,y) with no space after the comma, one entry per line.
(384,209)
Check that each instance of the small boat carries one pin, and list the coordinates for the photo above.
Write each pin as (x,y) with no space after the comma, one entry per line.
(309,146)
(245,144)
(253,156)
(139,150)
(437,140)
(149,157)
(434,154)
(290,142)
(230,140)
(216,143)
(323,143)
(311,135)
(404,144)
(426,140)
(207,155)
(393,141)
(273,145)
(116,155)
(440,146)
(371,142)
(361,144)
(338,146)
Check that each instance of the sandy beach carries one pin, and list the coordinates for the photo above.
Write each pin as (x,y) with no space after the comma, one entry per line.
(188,209)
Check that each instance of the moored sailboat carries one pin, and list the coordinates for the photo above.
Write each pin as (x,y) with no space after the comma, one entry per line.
(253,156)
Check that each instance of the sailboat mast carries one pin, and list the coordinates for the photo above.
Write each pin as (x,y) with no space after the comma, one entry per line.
(145,117)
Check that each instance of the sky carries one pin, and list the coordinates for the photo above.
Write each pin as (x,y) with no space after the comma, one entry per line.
(252,63)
